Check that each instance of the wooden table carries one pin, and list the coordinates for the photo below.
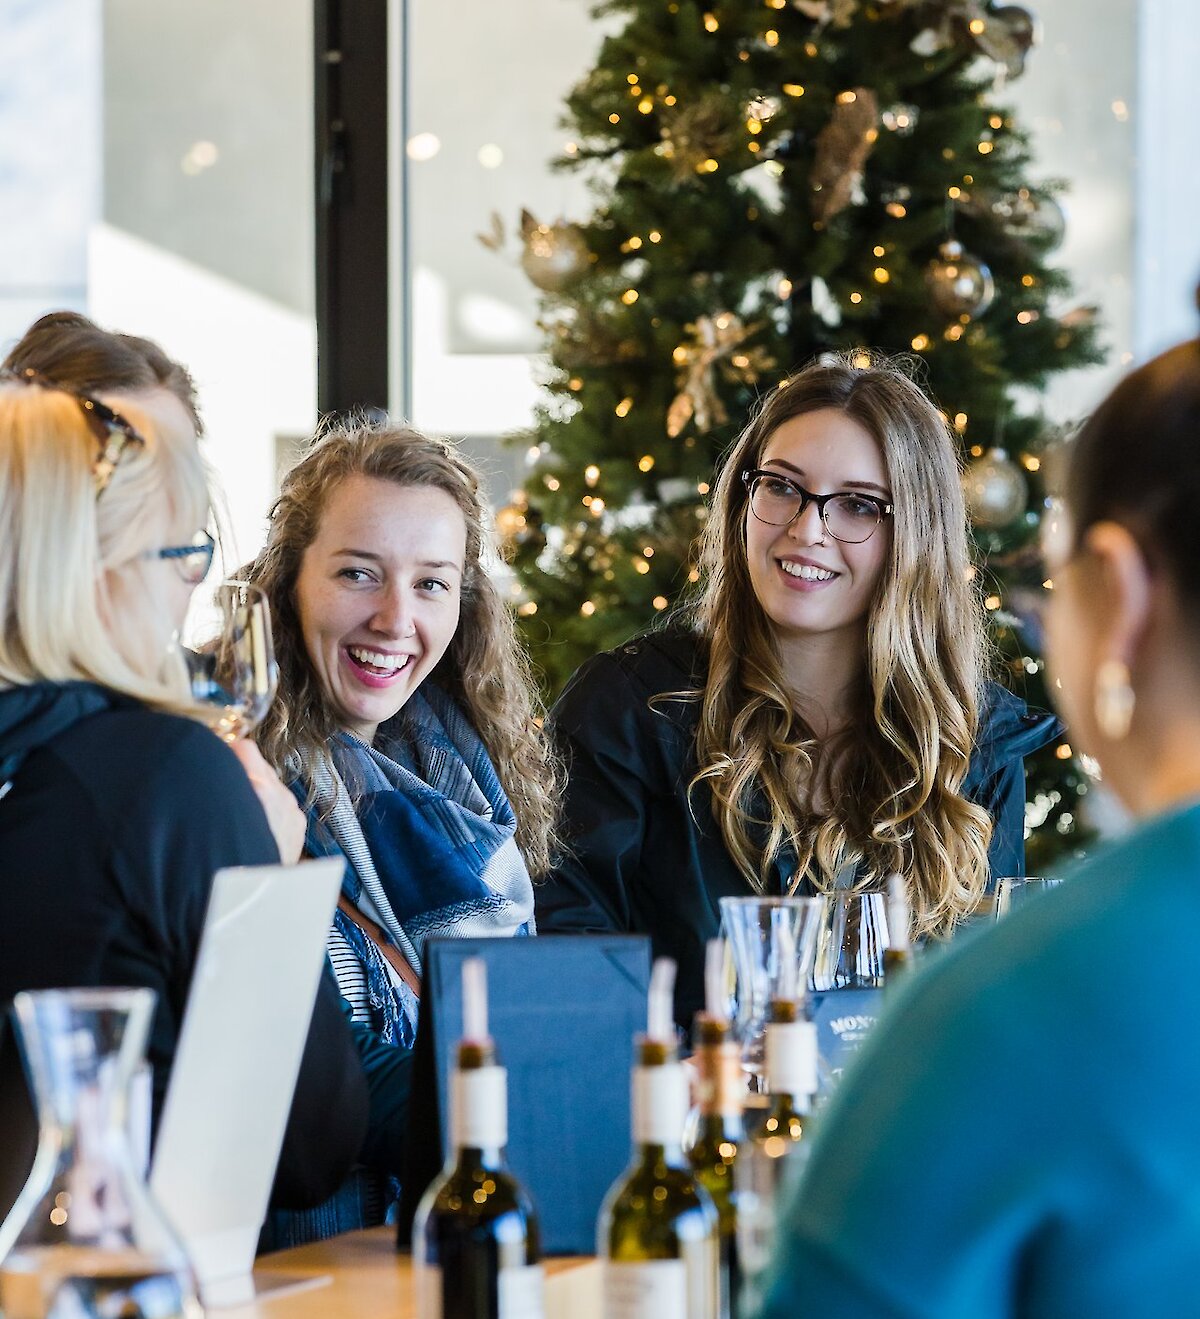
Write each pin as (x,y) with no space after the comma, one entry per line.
(360,1274)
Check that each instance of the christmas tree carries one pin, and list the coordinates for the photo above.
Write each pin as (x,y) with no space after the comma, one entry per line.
(773,181)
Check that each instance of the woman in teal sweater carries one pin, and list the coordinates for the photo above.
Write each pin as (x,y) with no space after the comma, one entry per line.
(1020,1136)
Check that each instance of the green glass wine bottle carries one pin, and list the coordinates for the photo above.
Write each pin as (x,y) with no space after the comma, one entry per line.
(475,1244)
(898,955)
(777,1136)
(714,1151)
(658,1227)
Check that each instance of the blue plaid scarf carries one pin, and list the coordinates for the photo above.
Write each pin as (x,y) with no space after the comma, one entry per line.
(431,840)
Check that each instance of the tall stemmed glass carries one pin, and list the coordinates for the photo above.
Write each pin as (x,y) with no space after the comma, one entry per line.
(234,668)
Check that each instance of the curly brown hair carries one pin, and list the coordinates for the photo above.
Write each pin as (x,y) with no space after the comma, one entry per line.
(484,669)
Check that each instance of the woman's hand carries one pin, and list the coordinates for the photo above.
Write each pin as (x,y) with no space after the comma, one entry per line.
(281,809)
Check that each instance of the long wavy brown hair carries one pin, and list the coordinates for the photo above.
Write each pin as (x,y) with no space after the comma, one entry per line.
(484,669)
(895,776)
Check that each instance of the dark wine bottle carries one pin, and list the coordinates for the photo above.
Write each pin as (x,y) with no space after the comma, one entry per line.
(475,1244)
(658,1226)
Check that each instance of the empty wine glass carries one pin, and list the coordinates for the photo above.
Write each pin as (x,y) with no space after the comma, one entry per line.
(772,941)
(851,942)
(1013,890)
(233,667)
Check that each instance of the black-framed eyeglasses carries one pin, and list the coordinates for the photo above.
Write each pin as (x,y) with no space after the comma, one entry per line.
(114,433)
(192,561)
(847,515)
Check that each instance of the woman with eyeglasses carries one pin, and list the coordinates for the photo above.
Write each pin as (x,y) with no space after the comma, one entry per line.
(1019,1137)
(117,802)
(821,718)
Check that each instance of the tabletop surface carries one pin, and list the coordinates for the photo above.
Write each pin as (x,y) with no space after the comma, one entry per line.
(360,1274)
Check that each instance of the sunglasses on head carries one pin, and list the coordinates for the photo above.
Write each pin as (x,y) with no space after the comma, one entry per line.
(113,432)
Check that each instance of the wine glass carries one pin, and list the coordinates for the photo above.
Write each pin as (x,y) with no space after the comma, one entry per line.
(1014,890)
(235,668)
(851,941)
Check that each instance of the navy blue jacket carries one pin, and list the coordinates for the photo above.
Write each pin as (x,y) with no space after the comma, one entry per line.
(645,857)
(113,820)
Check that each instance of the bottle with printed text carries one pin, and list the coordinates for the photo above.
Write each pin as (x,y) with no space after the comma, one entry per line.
(898,955)
(777,1136)
(475,1244)
(717,1136)
(658,1227)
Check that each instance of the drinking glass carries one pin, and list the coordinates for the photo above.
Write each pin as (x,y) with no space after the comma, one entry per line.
(772,941)
(1014,890)
(851,940)
(85,1238)
(234,667)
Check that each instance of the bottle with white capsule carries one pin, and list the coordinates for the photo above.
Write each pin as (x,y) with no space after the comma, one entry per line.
(778,1136)
(475,1243)
(721,1085)
(658,1226)
(898,956)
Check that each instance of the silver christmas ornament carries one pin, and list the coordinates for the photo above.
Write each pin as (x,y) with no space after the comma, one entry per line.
(1026,214)
(995,490)
(959,284)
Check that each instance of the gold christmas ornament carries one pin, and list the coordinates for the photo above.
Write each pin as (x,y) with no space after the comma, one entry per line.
(995,490)
(842,149)
(1007,36)
(554,254)
(696,135)
(959,284)
(838,12)
(717,341)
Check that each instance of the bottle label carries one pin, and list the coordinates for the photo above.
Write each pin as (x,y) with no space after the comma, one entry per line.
(520,1292)
(479,1108)
(791,1058)
(660,1104)
(649,1289)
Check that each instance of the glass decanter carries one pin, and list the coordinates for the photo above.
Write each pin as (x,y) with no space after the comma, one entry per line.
(85,1240)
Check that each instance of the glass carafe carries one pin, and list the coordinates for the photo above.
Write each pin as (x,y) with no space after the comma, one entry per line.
(85,1240)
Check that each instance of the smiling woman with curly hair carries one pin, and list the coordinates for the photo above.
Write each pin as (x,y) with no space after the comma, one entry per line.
(406,722)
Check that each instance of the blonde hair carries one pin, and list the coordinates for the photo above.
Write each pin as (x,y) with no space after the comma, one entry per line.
(484,669)
(76,601)
(895,776)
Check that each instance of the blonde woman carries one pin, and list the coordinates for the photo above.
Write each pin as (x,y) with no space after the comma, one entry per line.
(405,722)
(117,803)
(822,718)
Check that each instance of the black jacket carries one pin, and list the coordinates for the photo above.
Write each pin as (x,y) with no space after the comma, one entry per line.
(644,858)
(115,819)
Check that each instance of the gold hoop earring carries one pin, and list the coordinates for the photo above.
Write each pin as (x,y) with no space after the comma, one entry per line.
(1114,699)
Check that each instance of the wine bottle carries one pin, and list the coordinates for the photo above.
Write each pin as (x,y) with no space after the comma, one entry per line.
(475,1243)
(718,1132)
(777,1138)
(657,1231)
(897,957)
